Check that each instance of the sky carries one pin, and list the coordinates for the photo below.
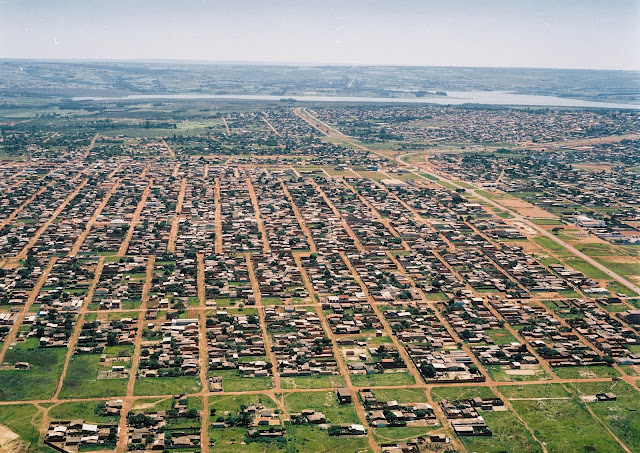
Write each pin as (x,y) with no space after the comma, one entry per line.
(585,34)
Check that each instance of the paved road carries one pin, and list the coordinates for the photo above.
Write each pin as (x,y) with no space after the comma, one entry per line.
(527,222)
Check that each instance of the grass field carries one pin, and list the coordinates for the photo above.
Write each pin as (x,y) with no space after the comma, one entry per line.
(578,432)
(312,382)
(382,379)
(22,420)
(586,268)
(596,249)
(79,410)
(167,385)
(509,434)
(501,336)
(37,383)
(324,402)
(81,380)
(547,222)
(547,243)
(458,393)
(622,416)
(232,439)
(616,287)
(303,438)
(232,381)
(401,395)
(499,373)
(631,269)
(585,372)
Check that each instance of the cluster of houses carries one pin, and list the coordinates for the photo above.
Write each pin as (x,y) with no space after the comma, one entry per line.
(382,414)
(464,418)
(121,282)
(240,232)
(556,342)
(175,353)
(283,230)
(77,435)
(609,335)
(430,345)
(278,277)
(370,231)
(475,125)
(164,430)
(299,342)
(227,277)
(232,341)
(393,247)
(325,226)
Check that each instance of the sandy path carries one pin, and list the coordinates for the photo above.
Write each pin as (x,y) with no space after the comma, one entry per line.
(134,220)
(76,246)
(23,254)
(175,224)
(135,361)
(78,327)
(256,210)
(266,120)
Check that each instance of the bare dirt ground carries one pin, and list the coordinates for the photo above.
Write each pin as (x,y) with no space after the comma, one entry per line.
(10,442)
(6,435)
(525,209)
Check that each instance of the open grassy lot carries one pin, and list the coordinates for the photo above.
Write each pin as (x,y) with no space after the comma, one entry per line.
(232,403)
(81,380)
(509,434)
(37,383)
(533,391)
(312,382)
(501,374)
(626,269)
(311,438)
(232,439)
(597,249)
(23,420)
(459,393)
(84,410)
(616,287)
(401,395)
(324,402)
(152,404)
(585,372)
(578,431)
(621,416)
(167,385)
(233,381)
(586,268)
(547,221)
(547,243)
(501,336)
(382,379)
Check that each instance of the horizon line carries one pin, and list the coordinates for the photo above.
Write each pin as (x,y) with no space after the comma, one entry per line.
(292,63)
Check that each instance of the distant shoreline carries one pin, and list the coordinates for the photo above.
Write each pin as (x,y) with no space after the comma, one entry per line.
(452,98)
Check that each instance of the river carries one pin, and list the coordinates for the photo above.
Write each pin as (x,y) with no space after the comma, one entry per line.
(452,98)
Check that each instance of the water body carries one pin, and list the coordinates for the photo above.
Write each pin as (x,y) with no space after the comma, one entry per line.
(452,98)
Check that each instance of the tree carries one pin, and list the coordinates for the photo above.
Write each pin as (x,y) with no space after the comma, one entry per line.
(192,413)
(428,370)
(112,339)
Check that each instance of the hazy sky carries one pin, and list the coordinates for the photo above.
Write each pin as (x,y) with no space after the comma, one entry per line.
(599,34)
